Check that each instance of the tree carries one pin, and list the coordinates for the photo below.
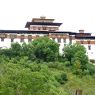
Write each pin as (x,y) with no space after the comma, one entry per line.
(26,50)
(45,49)
(76,53)
(15,49)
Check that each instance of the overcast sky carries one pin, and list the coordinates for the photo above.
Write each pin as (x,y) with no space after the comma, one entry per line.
(74,14)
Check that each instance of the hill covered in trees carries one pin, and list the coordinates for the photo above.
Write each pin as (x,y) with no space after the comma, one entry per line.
(37,68)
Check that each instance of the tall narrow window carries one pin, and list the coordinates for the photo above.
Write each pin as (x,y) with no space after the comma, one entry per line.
(12,40)
(70,39)
(2,39)
(59,40)
(22,38)
(89,47)
(29,38)
(64,40)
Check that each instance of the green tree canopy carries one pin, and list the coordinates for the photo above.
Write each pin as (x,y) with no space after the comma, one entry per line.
(45,49)
(76,53)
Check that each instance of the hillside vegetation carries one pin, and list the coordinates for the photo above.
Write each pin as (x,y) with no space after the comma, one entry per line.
(37,68)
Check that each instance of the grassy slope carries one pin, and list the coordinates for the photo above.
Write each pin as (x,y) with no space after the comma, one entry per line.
(86,83)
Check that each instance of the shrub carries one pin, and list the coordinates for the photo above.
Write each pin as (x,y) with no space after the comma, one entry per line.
(61,78)
(91,69)
(52,64)
(92,60)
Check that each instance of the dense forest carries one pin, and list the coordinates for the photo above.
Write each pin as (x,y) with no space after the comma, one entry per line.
(37,68)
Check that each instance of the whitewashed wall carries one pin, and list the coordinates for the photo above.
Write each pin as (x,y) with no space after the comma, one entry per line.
(91,53)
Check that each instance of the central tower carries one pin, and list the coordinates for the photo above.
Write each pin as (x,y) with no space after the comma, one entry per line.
(42,24)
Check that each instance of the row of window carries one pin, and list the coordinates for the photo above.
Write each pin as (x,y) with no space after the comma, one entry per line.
(12,40)
(30,39)
(43,28)
(83,42)
(14,36)
(59,40)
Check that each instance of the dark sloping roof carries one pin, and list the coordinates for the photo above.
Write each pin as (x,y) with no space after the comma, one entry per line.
(46,32)
(90,37)
(33,32)
(41,23)
(23,31)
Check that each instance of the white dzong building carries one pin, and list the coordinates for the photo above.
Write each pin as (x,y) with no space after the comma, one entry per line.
(47,27)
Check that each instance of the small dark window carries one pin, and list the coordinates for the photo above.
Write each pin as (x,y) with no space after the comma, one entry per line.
(64,40)
(2,39)
(12,40)
(22,38)
(89,47)
(29,38)
(70,40)
(59,40)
